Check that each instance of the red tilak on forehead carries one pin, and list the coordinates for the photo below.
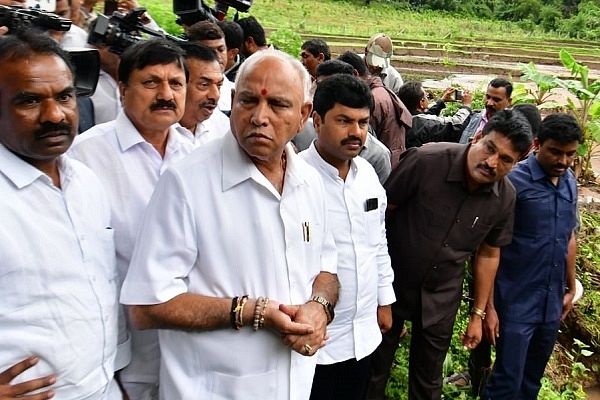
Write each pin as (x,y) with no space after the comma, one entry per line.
(263,92)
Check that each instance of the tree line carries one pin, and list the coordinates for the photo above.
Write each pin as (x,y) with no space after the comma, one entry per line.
(572,18)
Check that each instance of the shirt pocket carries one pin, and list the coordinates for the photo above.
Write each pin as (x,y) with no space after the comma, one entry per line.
(247,387)
(373,227)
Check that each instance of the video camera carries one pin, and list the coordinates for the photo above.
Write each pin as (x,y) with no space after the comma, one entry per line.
(18,19)
(86,62)
(191,11)
(122,30)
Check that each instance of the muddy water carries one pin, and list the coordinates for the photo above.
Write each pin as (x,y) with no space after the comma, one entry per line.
(593,393)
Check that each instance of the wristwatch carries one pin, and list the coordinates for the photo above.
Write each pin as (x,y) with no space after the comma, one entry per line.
(326,305)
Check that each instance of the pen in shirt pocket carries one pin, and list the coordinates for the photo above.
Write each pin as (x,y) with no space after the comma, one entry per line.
(475,222)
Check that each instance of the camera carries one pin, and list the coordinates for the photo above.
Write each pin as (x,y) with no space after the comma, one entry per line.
(19,19)
(85,61)
(458,95)
(120,31)
(191,11)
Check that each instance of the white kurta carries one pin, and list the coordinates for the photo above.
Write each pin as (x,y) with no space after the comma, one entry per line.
(57,277)
(364,267)
(217,227)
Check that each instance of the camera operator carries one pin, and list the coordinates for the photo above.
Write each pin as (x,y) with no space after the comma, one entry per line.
(106,98)
(75,36)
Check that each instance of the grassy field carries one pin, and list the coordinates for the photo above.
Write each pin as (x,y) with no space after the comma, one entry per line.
(353,18)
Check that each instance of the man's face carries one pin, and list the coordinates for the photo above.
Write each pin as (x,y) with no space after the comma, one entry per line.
(38,108)
(490,158)
(268,109)
(310,62)
(62,9)
(555,157)
(496,100)
(342,133)
(203,88)
(154,97)
(219,47)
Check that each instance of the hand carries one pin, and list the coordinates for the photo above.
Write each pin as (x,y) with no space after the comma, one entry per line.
(467,98)
(313,314)
(384,318)
(491,325)
(471,338)
(447,96)
(567,304)
(3,30)
(20,390)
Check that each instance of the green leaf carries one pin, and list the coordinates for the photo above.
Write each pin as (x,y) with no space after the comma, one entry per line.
(586,353)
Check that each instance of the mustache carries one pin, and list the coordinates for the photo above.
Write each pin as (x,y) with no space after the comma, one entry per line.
(48,128)
(489,170)
(208,103)
(351,139)
(163,104)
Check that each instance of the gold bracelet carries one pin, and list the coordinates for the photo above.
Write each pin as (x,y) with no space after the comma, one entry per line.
(479,312)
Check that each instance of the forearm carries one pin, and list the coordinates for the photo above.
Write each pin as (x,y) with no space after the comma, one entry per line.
(327,286)
(186,311)
(486,265)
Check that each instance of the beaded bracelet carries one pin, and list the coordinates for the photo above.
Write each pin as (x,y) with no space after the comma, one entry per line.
(263,312)
(257,309)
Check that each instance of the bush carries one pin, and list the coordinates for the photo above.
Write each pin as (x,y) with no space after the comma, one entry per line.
(286,40)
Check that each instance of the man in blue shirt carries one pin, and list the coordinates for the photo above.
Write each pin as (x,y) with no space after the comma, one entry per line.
(535,282)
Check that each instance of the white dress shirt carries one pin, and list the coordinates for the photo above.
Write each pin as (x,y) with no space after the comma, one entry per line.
(129,167)
(106,99)
(224,103)
(57,277)
(215,127)
(216,226)
(364,267)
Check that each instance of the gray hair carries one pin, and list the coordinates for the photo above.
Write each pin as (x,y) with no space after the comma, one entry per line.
(255,58)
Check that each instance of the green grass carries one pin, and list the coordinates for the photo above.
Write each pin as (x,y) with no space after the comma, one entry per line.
(353,18)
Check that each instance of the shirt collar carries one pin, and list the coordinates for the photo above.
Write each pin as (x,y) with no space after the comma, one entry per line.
(23,174)
(324,165)
(128,135)
(457,172)
(237,166)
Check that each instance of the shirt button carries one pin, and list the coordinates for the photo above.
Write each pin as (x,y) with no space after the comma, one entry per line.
(435,266)
(445,244)
(457,220)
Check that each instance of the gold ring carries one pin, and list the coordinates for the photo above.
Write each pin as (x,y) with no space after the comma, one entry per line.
(307,348)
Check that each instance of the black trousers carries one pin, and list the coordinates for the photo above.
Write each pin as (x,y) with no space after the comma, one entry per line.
(428,348)
(343,380)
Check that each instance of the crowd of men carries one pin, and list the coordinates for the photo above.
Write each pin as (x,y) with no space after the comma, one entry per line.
(234,223)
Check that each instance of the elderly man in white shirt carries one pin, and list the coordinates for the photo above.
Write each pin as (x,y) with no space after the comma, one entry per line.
(202,122)
(357,203)
(237,236)
(57,277)
(128,155)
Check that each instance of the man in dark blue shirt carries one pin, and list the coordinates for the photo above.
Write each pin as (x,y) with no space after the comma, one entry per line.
(535,282)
